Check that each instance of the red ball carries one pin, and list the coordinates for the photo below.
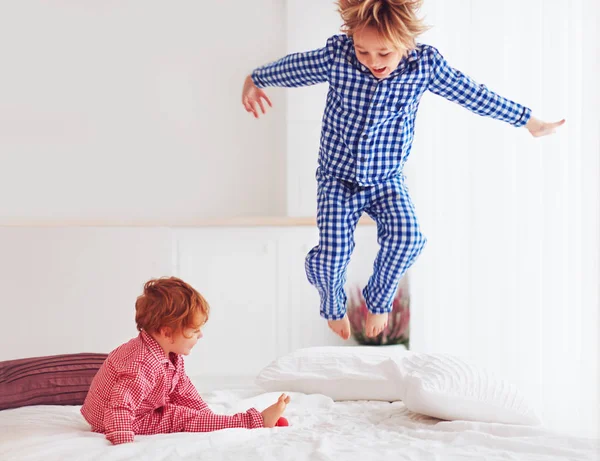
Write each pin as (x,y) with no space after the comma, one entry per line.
(282,422)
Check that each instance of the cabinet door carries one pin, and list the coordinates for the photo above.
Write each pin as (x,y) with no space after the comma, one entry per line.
(235,270)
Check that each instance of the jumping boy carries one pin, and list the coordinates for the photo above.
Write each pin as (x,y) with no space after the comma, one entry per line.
(377,74)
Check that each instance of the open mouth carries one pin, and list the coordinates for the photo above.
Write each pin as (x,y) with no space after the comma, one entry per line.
(379,70)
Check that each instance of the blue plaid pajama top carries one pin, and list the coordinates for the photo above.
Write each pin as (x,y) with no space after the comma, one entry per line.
(368,124)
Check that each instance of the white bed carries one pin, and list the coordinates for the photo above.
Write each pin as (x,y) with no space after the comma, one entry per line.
(320,429)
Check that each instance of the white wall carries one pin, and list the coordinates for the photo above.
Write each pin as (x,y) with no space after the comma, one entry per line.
(511,275)
(129,111)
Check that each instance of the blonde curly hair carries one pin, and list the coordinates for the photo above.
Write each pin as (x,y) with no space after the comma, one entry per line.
(396,20)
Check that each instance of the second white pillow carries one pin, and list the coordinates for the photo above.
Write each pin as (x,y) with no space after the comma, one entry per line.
(447,387)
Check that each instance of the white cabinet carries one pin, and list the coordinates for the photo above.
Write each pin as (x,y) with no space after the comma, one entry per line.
(235,269)
(78,287)
(262,304)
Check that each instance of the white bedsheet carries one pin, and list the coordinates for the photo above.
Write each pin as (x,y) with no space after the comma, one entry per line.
(320,430)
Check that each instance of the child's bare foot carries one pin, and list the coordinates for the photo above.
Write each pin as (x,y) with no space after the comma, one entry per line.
(375,324)
(271,414)
(340,327)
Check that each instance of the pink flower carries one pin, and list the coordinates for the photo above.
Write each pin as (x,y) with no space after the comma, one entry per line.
(397,330)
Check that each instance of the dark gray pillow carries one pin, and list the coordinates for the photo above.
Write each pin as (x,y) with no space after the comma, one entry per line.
(52,380)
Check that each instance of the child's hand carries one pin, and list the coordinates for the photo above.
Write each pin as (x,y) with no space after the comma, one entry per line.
(252,95)
(538,128)
(271,414)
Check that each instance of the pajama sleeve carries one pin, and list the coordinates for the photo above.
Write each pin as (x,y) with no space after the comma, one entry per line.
(457,87)
(186,395)
(298,69)
(132,387)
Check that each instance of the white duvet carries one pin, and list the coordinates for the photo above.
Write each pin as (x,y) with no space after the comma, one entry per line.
(320,430)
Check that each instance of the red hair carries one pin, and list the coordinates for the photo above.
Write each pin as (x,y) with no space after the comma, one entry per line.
(171,303)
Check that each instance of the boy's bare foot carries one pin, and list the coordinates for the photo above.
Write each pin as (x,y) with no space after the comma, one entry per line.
(271,414)
(340,327)
(375,324)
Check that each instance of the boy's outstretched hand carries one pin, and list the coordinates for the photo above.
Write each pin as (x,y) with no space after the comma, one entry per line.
(538,128)
(252,95)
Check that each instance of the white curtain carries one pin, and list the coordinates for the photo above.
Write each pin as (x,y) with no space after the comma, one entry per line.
(510,277)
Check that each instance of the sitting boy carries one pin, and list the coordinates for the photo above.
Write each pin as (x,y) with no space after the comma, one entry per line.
(142,387)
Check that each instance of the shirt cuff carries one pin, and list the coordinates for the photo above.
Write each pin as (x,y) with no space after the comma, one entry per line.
(525,116)
(256,419)
(256,79)
(333,316)
(118,437)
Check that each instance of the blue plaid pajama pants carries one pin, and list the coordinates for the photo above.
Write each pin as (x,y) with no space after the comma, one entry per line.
(339,207)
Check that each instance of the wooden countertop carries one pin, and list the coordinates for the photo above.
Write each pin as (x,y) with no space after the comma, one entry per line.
(248,221)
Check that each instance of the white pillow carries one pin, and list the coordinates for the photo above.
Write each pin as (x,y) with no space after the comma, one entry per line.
(448,388)
(342,373)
